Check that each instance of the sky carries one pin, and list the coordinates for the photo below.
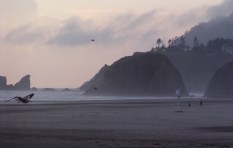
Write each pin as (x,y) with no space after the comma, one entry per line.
(51,40)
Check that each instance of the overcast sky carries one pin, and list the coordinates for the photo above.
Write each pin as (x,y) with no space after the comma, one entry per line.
(51,39)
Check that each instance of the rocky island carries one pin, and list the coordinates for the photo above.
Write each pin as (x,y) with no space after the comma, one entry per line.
(142,74)
(23,84)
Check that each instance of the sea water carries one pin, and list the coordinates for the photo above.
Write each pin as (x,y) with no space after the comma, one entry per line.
(40,95)
(61,95)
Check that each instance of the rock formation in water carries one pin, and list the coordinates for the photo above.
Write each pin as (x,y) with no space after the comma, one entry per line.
(221,84)
(48,89)
(23,84)
(143,74)
(3,82)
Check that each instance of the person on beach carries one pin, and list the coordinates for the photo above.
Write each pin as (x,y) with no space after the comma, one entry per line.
(201,103)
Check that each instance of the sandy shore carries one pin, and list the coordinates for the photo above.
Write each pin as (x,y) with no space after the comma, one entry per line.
(113,124)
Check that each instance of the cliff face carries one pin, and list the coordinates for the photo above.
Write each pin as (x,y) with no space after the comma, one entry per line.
(197,69)
(221,84)
(95,80)
(23,84)
(143,74)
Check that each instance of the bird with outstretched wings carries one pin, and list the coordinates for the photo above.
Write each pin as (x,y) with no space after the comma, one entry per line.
(25,99)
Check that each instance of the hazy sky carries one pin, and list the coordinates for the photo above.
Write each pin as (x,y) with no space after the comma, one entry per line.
(51,39)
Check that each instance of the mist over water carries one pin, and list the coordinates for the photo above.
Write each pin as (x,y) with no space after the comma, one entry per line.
(73,95)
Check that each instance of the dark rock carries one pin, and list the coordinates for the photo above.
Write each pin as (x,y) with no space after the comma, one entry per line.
(66,89)
(3,82)
(34,88)
(23,84)
(143,74)
(48,89)
(221,84)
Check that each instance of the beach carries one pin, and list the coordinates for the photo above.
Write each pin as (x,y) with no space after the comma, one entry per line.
(117,123)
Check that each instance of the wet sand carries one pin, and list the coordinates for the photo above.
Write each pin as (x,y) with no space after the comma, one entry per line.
(113,124)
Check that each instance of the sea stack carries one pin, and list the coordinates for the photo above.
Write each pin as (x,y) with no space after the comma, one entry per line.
(3,83)
(23,84)
(221,84)
(142,74)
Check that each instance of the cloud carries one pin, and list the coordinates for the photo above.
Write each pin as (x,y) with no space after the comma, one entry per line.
(120,29)
(129,28)
(35,32)
(75,32)
(25,35)
(224,9)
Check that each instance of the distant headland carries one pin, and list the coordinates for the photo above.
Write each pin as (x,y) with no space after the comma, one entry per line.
(142,74)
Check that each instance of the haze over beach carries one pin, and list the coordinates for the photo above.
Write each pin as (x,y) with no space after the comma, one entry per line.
(51,40)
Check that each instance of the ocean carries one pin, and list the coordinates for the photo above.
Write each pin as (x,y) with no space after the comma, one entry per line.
(61,95)
(40,95)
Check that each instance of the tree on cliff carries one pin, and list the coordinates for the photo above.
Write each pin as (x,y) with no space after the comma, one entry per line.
(159,43)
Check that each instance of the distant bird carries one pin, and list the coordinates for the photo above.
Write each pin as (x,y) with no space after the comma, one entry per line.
(92,40)
(95,88)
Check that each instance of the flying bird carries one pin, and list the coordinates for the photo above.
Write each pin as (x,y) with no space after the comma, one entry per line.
(25,99)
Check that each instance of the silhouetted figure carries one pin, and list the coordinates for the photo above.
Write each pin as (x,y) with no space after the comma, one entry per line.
(25,99)
(201,103)
(189,104)
(178,102)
